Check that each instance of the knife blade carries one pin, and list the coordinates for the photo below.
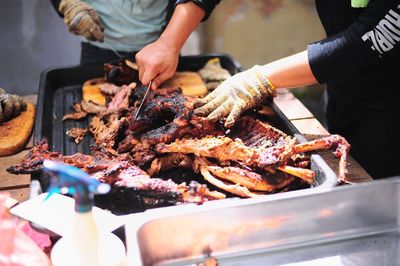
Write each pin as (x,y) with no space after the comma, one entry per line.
(145,97)
(113,50)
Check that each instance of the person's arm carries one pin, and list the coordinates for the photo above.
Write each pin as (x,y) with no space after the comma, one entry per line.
(372,40)
(248,88)
(290,72)
(158,61)
(80,18)
(207,5)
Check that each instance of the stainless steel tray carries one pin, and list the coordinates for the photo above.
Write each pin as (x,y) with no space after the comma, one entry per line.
(349,225)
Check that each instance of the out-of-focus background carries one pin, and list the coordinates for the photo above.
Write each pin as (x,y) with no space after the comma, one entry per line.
(34,38)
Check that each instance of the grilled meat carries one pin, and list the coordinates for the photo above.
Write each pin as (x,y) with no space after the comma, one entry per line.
(249,179)
(105,130)
(121,72)
(163,118)
(109,89)
(118,172)
(226,149)
(166,91)
(249,160)
(255,133)
(33,162)
(172,160)
(222,148)
(78,113)
(83,108)
(198,193)
(77,134)
(120,102)
(341,146)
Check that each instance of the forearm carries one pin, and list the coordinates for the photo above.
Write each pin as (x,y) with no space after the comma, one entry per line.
(185,19)
(290,72)
(370,42)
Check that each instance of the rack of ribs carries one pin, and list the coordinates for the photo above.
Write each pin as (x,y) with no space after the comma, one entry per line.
(258,146)
(119,172)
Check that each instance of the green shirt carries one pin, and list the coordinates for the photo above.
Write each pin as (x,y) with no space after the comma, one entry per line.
(129,25)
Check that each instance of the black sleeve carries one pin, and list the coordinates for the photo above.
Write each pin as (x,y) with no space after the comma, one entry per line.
(56,4)
(207,5)
(371,40)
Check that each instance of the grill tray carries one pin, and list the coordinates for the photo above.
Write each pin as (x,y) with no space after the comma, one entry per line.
(60,88)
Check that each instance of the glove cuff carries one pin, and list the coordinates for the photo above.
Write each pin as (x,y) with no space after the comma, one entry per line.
(266,87)
(70,8)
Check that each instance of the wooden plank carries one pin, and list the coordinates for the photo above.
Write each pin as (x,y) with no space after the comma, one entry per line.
(20,194)
(31,98)
(15,133)
(292,107)
(310,126)
(356,174)
(8,180)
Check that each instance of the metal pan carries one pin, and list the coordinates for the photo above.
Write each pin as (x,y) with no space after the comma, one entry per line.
(60,88)
(348,225)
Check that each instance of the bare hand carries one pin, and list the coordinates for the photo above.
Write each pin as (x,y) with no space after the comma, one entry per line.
(157,62)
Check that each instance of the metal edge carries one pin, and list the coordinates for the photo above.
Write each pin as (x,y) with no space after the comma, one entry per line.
(134,222)
(331,178)
(316,160)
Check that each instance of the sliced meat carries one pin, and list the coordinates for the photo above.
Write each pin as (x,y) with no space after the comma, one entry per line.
(77,134)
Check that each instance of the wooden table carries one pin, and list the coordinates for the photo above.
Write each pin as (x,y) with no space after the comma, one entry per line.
(16,185)
(311,128)
(298,114)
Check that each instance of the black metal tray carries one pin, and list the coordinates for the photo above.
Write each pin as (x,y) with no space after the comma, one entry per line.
(60,88)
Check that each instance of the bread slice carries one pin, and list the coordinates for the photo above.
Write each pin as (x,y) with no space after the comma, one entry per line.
(190,83)
(92,92)
(14,134)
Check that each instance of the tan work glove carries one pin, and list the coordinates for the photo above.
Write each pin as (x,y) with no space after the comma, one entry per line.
(11,105)
(82,19)
(235,95)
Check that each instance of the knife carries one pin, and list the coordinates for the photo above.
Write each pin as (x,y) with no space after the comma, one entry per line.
(113,50)
(145,97)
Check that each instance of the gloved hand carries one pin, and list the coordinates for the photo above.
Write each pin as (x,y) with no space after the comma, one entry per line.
(235,95)
(82,19)
(10,105)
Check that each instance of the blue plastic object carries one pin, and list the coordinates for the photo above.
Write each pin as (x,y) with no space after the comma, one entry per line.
(66,179)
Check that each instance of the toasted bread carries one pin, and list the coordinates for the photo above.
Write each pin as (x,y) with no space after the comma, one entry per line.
(14,134)
(190,83)
(92,92)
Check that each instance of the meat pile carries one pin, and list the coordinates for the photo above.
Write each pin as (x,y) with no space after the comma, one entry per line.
(251,159)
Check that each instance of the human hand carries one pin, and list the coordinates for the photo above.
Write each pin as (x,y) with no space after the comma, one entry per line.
(82,19)
(157,62)
(235,95)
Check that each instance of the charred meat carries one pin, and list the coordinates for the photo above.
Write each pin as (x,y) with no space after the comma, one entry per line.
(77,134)
(118,172)
(121,72)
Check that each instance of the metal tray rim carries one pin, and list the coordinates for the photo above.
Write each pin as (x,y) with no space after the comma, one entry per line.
(134,222)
